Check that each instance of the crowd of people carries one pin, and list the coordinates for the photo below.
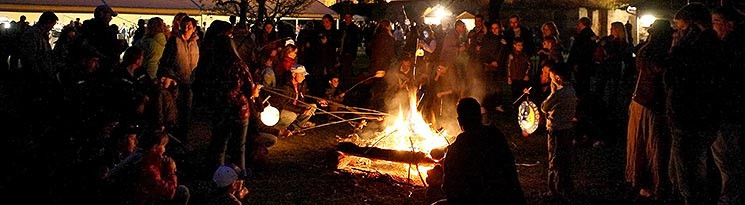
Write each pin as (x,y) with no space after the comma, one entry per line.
(681,114)
(102,109)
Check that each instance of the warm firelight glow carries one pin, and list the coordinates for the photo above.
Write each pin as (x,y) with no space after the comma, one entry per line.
(406,131)
(410,132)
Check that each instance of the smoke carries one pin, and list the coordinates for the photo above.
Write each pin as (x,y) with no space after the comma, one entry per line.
(467,81)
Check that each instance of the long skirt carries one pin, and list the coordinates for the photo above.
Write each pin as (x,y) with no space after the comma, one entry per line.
(647,149)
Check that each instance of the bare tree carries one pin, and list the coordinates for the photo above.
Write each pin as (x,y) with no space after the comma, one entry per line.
(491,8)
(596,4)
(277,9)
(260,9)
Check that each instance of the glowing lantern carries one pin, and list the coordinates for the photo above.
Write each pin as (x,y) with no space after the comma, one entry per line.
(420,52)
(528,117)
(270,116)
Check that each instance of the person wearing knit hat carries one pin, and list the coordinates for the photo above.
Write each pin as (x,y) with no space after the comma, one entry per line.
(228,179)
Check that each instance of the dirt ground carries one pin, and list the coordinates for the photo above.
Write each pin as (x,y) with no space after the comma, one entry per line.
(302,170)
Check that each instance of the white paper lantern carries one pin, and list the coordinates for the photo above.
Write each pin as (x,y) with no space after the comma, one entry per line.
(270,116)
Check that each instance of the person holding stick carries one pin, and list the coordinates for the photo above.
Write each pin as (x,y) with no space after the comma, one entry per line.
(559,108)
(294,111)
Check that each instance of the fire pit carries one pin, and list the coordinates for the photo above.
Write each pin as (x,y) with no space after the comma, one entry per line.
(400,150)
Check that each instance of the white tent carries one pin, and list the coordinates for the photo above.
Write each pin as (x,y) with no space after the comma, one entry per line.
(132,10)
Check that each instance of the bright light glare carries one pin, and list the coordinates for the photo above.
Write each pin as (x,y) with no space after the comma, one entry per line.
(440,12)
(631,9)
(647,20)
(437,15)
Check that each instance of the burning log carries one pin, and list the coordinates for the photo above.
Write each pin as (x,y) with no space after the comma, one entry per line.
(402,156)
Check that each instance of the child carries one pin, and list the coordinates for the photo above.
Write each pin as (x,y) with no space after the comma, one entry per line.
(332,93)
(230,190)
(157,181)
(266,74)
(518,68)
(551,51)
(559,108)
(147,176)
(286,59)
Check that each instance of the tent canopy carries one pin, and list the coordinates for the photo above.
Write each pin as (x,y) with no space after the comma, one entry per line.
(466,15)
(160,7)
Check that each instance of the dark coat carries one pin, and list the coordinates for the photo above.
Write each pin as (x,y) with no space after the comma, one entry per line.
(734,52)
(351,38)
(582,48)
(526,35)
(283,103)
(479,168)
(492,49)
(691,80)
(128,92)
(381,51)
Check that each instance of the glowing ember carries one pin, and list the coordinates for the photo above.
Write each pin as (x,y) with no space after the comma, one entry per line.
(407,131)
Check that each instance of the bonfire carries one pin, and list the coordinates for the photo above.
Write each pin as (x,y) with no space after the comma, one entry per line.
(401,150)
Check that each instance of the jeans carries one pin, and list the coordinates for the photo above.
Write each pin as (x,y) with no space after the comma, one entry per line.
(688,155)
(184,105)
(181,197)
(559,161)
(728,156)
(229,137)
(287,118)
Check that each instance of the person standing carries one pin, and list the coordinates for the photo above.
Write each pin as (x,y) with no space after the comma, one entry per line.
(98,34)
(518,68)
(382,47)
(583,68)
(36,52)
(140,32)
(727,148)
(580,55)
(452,47)
(648,142)
(324,48)
(493,55)
(350,41)
(691,86)
(153,44)
(180,58)
(517,30)
(224,92)
(559,108)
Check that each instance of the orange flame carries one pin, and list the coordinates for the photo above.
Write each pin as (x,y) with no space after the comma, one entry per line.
(408,132)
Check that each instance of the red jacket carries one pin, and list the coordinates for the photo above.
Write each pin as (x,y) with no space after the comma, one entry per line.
(285,64)
(154,186)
